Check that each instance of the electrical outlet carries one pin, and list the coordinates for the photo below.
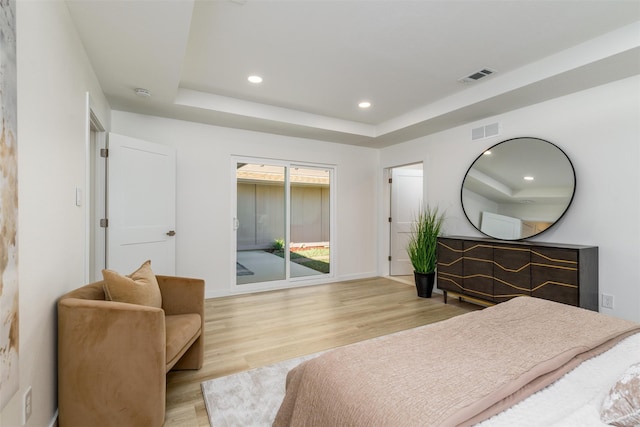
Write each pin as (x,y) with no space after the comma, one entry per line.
(27,406)
(607,301)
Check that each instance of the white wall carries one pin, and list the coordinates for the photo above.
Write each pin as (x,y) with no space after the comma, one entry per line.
(205,179)
(53,78)
(599,129)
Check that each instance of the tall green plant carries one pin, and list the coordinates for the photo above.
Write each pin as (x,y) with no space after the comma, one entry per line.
(423,241)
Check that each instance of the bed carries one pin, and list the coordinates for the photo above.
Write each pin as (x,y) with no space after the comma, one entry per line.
(492,367)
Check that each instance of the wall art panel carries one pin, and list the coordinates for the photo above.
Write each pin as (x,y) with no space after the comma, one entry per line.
(9,303)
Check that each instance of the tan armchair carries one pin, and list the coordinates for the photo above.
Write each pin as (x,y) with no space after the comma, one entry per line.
(113,357)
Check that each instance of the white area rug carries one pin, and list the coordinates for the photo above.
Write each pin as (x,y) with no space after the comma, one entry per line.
(249,398)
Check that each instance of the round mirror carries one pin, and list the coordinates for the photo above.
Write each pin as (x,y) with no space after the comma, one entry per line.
(518,188)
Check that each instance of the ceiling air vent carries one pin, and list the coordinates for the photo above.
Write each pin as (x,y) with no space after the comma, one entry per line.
(474,77)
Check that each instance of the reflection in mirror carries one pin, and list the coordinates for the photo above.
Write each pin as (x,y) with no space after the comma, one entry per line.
(518,188)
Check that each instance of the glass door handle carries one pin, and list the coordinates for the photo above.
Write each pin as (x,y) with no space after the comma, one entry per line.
(236,224)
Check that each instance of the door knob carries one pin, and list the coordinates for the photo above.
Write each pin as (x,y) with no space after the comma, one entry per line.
(171,233)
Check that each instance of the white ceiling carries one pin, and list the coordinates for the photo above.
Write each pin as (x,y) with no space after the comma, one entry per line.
(320,58)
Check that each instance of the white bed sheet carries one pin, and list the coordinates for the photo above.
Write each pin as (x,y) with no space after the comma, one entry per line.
(574,399)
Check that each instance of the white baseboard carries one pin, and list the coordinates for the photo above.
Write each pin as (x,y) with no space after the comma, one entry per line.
(217,293)
(357,276)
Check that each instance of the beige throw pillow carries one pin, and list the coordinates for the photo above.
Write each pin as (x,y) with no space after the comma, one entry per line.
(621,407)
(139,287)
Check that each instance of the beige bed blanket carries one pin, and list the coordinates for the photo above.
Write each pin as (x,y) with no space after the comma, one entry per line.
(455,372)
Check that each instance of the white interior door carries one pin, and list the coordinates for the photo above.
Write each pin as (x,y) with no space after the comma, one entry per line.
(406,198)
(141,205)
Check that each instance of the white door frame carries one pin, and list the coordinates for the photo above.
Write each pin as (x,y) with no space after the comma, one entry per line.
(92,198)
(385,237)
(401,221)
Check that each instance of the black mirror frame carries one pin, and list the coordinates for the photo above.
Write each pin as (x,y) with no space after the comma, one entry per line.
(575,183)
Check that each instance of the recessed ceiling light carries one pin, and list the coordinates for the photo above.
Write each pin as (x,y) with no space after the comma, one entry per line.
(255,79)
(364,104)
(528,178)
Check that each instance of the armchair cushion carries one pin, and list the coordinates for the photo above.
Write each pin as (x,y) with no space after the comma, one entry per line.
(139,287)
(182,330)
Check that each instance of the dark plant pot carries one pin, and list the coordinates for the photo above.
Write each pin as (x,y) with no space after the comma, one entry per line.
(424,283)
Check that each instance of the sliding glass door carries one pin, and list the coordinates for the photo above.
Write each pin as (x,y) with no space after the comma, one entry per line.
(310,225)
(282,222)
(260,206)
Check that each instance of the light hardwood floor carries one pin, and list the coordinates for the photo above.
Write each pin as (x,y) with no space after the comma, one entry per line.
(253,330)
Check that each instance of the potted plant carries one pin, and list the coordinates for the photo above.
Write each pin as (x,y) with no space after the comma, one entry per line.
(422,247)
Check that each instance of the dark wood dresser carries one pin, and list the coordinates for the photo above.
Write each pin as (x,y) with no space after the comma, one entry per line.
(494,271)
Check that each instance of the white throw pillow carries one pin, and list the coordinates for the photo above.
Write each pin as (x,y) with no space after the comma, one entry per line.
(621,407)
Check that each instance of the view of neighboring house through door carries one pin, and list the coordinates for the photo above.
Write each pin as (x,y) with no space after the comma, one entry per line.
(282,221)
(406,198)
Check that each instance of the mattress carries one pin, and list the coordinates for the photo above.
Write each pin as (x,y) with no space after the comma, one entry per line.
(460,371)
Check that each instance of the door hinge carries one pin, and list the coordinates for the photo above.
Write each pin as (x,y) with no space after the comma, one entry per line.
(104,152)
(390,179)
(389,219)
(389,257)
(104,222)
